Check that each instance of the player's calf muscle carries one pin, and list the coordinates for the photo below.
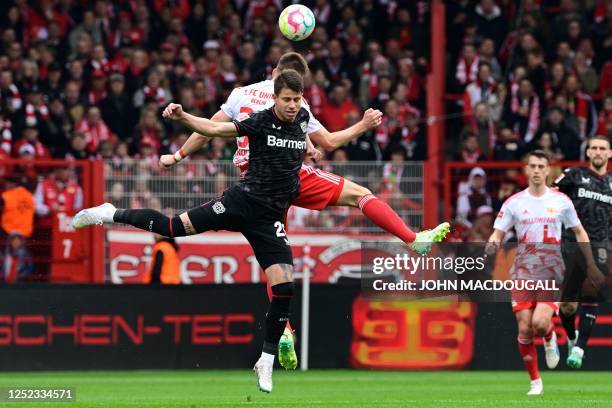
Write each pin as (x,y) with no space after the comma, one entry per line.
(189,229)
(279,273)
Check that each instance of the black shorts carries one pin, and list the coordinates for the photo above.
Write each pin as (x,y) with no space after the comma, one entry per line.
(575,268)
(260,224)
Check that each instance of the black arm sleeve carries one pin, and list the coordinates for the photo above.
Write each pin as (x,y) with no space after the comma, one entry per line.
(157,267)
(249,126)
(565,181)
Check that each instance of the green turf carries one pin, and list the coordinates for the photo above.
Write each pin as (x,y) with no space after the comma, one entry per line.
(330,388)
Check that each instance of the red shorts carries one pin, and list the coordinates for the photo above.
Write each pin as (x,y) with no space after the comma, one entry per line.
(516,306)
(529,299)
(318,188)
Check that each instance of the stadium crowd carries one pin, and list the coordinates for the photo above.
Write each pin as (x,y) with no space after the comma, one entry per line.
(87,79)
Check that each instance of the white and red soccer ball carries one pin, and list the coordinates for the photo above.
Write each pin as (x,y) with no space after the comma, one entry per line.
(296,22)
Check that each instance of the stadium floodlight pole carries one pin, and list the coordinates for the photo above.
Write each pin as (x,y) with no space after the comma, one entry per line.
(305,310)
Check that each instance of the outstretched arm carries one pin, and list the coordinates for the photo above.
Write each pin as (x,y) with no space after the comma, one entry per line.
(331,141)
(194,143)
(203,126)
(205,129)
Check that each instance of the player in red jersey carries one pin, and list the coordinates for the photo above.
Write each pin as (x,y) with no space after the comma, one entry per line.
(318,189)
(537,214)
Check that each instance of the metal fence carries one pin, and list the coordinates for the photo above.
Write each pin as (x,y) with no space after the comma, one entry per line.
(141,184)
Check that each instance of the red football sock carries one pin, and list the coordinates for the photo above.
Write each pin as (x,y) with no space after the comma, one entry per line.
(269,290)
(382,215)
(549,333)
(530,357)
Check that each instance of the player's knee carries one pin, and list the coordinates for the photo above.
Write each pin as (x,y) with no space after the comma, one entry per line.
(352,193)
(283,290)
(540,327)
(525,331)
(568,308)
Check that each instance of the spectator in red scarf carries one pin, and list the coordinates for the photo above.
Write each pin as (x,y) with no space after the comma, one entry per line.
(10,97)
(467,66)
(59,192)
(481,90)
(523,111)
(314,91)
(470,151)
(30,139)
(391,124)
(414,82)
(411,137)
(150,129)
(94,129)
(98,87)
(153,91)
(555,81)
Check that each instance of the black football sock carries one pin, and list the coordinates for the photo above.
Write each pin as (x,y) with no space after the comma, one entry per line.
(151,220)
(569,324)
(277,316)
(588,315)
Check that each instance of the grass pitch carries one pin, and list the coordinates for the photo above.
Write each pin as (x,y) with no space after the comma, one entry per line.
(319,388)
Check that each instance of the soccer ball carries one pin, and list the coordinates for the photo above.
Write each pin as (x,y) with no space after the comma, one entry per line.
(296,22)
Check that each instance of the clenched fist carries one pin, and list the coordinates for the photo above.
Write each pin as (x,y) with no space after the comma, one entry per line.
(314,155)
(372,118)
(166,161)
(173,111)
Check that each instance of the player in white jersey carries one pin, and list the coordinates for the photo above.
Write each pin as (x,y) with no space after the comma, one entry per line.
(537,215)
(318,189)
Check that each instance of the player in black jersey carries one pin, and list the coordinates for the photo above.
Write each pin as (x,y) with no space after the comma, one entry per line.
(255,207)
(590,189)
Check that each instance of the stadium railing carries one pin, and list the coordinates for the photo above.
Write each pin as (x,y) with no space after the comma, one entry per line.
(141,184)
(225,257)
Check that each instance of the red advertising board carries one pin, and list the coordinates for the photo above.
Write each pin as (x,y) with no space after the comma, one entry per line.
(225,257)
(405,335)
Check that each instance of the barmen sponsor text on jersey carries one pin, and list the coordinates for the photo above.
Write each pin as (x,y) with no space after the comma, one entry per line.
(289,144)
(604,198)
